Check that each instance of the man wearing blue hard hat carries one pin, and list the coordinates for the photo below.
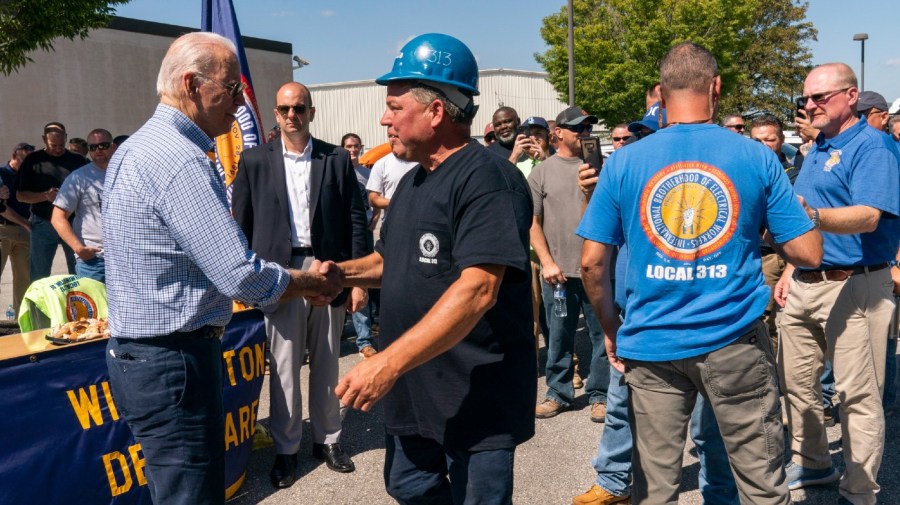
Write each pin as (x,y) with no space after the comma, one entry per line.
(457,373)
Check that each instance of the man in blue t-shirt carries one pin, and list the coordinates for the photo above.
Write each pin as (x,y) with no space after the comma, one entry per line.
(850,184)
(689,202)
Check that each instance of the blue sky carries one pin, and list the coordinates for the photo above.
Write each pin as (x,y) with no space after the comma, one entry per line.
(346,40)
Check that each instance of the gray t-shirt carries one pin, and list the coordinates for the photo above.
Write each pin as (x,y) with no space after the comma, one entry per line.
(81,193)
(557,198)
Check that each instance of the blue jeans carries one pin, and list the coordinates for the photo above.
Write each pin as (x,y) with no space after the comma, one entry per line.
(561,345)
(827,380)
(362,323)
(169,390)
(419,471)
(44,241)
(889,399)
(613,459)
(94,268)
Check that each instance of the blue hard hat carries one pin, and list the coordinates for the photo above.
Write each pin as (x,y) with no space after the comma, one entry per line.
(435,58)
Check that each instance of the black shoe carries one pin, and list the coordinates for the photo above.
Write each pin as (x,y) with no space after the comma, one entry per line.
(284,471)
(334,457)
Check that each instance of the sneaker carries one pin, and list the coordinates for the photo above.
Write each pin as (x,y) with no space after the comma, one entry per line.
(577,382)
(799,476)
(549,408)
(596,495)
(598,412)
(367,352)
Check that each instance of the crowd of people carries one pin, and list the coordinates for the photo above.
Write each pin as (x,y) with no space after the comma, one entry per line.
(718,277)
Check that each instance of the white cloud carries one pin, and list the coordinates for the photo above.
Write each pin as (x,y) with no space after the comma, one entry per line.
(895,62)
(400,44)
(328,13)
(283,14)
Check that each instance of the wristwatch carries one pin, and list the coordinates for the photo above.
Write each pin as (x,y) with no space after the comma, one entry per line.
(815,217)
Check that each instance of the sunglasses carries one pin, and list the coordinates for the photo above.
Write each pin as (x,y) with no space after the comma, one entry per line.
(620,139)
(235,89)
(821,98)
(580,128)
(738,127)
(101,146)
(298,109)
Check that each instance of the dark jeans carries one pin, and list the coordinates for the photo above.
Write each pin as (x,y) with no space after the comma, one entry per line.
(416,471)
(169,390)
(44,241)
(561,345)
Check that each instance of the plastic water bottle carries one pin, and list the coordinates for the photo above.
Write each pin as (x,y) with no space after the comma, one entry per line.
(10,313)
(559,300)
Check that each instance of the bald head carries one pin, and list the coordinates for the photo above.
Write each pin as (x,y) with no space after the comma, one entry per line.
(831,107)
(294,112)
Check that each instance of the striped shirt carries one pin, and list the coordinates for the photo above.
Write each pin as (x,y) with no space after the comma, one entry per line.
(175,258)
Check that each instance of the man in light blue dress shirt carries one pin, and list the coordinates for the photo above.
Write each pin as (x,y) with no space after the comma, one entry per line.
(175,259)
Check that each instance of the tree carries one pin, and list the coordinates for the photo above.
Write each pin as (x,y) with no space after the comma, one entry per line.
(762,48)
(26,25)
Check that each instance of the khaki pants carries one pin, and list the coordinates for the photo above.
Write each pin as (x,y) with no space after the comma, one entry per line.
(845,322)
(772,267)
(15,244)
(738,381)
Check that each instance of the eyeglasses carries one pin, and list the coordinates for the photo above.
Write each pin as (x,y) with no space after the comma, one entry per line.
(101,146)
(621,139)
(580,128)
(822,98)
(235,89)
(738,127)
(298,109)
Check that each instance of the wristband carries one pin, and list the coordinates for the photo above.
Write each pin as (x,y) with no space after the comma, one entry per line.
(815,217)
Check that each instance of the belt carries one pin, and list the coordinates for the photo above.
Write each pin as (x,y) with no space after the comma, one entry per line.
(301,251)
(836,274)
(766,250)
(204,332)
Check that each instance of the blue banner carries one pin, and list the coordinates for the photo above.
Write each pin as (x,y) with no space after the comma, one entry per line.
(246,131)
(64,441)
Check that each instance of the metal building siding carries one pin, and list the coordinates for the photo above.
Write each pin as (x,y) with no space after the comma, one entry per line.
(357,106)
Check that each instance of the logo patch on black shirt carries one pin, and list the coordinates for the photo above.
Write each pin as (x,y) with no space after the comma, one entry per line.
(429,246)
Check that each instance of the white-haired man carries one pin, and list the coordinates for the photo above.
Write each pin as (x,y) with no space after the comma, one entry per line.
(174,261)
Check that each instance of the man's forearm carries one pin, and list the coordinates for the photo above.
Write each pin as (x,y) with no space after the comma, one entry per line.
(849,220)
(595,268)
(539,242)
(59,220)
(14,217)
(363,272)
(32,197)
(378,201)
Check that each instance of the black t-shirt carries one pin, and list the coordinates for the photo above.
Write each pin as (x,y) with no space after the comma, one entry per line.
(500,150)
(474,209)
(40,172)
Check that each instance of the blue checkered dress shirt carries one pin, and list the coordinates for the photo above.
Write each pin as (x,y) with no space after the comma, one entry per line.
(175,258)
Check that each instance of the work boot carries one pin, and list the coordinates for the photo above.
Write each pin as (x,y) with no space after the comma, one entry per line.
(596,495)
(549,408)
(598,412)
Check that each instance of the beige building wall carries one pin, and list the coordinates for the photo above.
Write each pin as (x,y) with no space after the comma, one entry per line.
(357,106)
(108,80)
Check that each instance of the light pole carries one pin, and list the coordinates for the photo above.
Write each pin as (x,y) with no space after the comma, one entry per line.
(861,37)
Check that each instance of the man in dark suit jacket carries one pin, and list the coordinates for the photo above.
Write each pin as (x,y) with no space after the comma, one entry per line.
(297,199)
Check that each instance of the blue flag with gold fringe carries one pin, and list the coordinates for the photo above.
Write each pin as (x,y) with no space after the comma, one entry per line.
(246,132)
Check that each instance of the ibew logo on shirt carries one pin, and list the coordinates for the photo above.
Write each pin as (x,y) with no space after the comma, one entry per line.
(833,159)
(429,247)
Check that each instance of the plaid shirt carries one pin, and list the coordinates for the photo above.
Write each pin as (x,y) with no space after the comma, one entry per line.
(175,258)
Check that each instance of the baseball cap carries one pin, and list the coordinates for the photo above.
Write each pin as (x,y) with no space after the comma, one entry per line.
(651,119)
(24,145)
(574,116)
(489,129)
(870,99)
(537,121)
